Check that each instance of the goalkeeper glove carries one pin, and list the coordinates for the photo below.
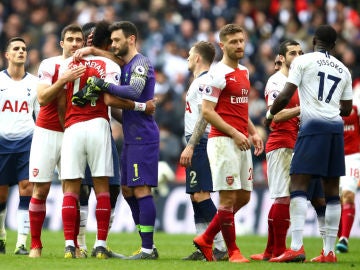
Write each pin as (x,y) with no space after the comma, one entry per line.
(85,95)
(97,84)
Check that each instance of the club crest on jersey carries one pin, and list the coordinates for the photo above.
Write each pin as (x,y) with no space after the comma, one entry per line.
(35,172)
(230,180)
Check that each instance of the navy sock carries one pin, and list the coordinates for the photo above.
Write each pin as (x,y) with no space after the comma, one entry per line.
(208,209)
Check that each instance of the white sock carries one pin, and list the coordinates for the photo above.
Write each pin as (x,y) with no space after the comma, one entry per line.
(332,220)
(23,223)
(2,224)
(100,243)
(201,227)
(298,208)
(322,229)
(81,238)
(219,242)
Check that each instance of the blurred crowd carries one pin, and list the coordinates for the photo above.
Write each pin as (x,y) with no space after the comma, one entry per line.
(168,28)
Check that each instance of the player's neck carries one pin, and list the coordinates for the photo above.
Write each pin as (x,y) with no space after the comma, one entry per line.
(16,73)
(127,58)
(285,71)
(200,70)
(230,62)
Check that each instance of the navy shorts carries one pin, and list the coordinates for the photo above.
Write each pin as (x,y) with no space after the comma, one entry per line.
(198,176)
(14,168)
(319,155)
(113,181)
(139,165)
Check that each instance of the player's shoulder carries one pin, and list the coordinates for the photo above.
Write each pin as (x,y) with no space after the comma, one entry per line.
(52,60)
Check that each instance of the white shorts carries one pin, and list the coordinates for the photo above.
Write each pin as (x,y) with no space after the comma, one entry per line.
(278,171)
(45,155)
(351,179)
(231,169)
(87,142)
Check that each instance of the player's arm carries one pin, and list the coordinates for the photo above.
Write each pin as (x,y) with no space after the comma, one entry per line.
(126,104)
(81,53)
(199,129)
(61,107)
(286,114)
(47,93)
(280,102)
(138,79)
(116,113)
(255,138)
(345,107)
(211,116)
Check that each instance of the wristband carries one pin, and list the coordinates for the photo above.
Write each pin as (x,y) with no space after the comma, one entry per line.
(268,115)
(139,106)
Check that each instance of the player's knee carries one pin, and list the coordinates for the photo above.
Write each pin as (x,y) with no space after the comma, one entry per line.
(348,197)
(201,196)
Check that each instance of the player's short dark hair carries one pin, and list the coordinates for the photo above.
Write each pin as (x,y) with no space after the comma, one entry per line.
(230,29)
(326,34)
(127,27)
(206,50)
(283,48)
(73,28)
(11,40)
(101,37)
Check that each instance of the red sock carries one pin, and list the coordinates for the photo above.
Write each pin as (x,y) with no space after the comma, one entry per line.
(281,223)
(347,219)
(212,229)
(270,240)
(102,213)
(77,226)
(226,220)
(37,213)
(69,214)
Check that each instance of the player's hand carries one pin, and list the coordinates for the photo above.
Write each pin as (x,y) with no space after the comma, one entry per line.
(258,144)
(97,84)
(81,53)
(85,95)
(72,74)
(186,156)
(78,99)
(150,106)
(241,141)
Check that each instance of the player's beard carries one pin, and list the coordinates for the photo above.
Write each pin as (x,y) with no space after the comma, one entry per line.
(123,51)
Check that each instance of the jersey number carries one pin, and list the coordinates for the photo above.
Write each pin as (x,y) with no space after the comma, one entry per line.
(335,80)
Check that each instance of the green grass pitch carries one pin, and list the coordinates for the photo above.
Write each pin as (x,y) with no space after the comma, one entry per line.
(171,249)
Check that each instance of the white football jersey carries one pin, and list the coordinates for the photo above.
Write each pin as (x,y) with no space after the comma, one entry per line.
(47,69)
(193,100)
(274,86)
(322,82)
(17,103)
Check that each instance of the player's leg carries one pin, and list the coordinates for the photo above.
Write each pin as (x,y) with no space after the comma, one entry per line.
(4,191)
(85,191)
(44,159)
(199,186)
(73,163)
(102,214)
(37,213)
(100,160)
(25,192)
(348,188)
(142,173)
(7,178)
